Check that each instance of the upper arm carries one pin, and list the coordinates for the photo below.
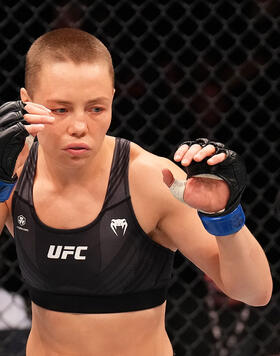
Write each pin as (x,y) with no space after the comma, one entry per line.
(176,221)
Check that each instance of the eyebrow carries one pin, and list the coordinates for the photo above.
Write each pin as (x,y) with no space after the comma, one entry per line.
(65,102)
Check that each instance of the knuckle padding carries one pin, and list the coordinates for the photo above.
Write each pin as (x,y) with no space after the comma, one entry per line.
(10,119)
(232,170)
(203,142)
(12,139)
(11,113)
(11,106)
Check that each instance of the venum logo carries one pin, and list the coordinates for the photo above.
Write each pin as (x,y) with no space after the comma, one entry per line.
(62,252)
(122,223)
(21,220)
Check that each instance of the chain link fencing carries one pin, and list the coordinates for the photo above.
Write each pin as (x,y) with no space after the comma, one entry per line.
(184,69)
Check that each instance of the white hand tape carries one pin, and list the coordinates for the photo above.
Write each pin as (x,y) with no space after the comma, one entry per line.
(177,189)
(29,140)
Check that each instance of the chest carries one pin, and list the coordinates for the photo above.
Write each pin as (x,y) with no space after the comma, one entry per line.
(78,206)
(68,209)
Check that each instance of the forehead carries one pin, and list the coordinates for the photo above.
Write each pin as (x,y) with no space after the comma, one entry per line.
(68,78)
(64,69)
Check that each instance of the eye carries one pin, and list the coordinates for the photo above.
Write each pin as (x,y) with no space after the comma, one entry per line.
(96,109)
(59,111)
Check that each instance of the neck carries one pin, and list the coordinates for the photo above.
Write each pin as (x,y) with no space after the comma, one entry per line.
(62,174)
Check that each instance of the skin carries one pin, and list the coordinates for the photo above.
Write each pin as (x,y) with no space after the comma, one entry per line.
(69,192)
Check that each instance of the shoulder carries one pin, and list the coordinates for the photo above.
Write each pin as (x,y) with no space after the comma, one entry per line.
(147,186)
(144,162)
(145,174)
(148,164)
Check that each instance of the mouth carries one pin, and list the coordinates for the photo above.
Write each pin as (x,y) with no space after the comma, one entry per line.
(77,149)
(78,145)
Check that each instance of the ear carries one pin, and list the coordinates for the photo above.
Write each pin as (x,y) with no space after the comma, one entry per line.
(24,95)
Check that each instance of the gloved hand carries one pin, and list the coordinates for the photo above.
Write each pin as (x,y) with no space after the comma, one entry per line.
(17,121)
(216,178)
(232,170)
(12,139)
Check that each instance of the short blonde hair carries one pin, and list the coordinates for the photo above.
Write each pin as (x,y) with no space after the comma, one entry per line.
(61,45)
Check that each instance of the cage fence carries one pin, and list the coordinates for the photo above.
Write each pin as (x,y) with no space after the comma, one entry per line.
(184,69)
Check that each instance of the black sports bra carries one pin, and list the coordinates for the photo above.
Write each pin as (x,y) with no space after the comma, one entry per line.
(108,266)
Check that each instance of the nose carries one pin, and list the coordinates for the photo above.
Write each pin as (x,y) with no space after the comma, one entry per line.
(77,126)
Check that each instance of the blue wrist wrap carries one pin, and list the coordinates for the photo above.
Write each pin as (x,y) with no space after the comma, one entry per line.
(224,225)
(5,190)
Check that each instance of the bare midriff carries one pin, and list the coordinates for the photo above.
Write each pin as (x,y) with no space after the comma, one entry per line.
(139,333)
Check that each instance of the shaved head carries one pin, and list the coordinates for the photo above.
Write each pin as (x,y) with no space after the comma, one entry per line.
(62,45)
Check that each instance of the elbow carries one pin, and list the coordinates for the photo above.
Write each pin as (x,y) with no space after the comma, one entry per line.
(258,297)
(261,298)
(253,301)
(260,302)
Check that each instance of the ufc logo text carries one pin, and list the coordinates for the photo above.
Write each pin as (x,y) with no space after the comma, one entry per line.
(62,252)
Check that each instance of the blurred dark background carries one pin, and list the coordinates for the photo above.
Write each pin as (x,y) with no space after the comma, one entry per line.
(184,69)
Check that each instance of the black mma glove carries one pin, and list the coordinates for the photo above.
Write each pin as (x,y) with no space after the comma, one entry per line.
(232,170)
(12,139)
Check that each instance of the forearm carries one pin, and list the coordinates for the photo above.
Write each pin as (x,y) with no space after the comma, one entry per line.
(3,215)
(244,269)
